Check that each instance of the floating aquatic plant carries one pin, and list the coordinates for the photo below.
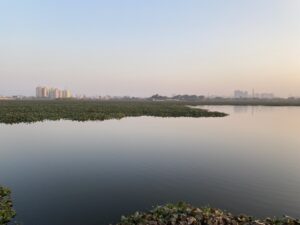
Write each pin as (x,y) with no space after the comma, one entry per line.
(12,112)
(6,210)
(185,214)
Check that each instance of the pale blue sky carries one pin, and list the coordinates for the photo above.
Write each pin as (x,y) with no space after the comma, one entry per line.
(141,47)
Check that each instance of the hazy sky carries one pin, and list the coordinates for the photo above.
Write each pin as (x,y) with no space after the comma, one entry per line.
(142,47)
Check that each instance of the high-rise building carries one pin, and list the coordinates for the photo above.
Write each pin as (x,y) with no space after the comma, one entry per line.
(38,92)
(241,94)
(45,92)
(52,93)
(42,92)
(66,94)
(60,94)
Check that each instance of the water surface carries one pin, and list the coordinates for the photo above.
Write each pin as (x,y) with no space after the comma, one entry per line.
(75,173)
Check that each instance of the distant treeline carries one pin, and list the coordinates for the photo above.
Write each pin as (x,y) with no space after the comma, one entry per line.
(178,97)
(250,102)
(202,100)
(83,110)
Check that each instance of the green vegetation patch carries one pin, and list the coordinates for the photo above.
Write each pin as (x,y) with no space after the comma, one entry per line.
(6,210)
(33,111)
(185,214)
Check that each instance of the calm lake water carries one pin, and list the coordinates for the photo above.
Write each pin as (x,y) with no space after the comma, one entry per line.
(88,173)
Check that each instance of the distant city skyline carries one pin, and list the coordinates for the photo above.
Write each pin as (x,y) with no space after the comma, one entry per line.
(46,91)
(139,48)
(52,93)
(253,94)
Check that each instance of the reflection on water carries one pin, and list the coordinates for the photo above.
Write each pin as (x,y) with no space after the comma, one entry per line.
(241,109)
(89,173)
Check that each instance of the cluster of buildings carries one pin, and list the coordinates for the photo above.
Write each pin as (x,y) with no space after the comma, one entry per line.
(241,94)
(5,98)
(52,93)
(245,94)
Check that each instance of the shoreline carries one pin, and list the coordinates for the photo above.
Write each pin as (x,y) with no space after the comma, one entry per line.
(186,214)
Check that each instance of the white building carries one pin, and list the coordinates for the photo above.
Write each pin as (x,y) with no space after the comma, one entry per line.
(66,94)
(240,94)
(42,92)
(52,93)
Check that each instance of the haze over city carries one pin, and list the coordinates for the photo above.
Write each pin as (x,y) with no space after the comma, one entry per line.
(140,48)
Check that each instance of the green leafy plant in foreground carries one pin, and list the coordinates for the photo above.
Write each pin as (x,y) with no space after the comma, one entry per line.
(6,211)
(185,214)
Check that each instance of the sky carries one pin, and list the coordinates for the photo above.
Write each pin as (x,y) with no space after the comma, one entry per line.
(143,47)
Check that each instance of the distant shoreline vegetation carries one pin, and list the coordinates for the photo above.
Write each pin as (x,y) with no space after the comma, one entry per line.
(12,112)
(202,100)
(195,99)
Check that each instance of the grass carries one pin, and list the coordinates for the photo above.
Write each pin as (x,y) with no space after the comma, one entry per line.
(12,112)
